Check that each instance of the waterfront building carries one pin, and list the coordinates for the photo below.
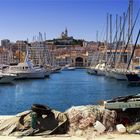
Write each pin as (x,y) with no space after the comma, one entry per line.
(91,48)
(136,60)
(5,56)
(60,51)
(38,53)
(67,50)
(5,43)
(21,45)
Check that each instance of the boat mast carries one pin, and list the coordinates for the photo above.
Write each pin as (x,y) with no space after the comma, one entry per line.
(107,18)
(131,2)
(130,20)
(129,37)
(97,36)
(120,36)
(110,29)
(118,54)
(107,28)
(116,28)
(110,46)
(123,29)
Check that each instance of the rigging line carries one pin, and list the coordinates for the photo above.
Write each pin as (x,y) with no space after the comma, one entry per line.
(132,30)
(101,34)
(111,48)
(117,31)
(104,31)
(133,49)
(121,33)
(115,37)
(114,25)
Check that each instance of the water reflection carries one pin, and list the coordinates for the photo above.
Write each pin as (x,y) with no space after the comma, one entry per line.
(61,91)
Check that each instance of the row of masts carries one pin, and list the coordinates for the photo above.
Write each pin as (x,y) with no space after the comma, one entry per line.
(41,37)
(119,40)
(39,52)
(120,22)
(119,48)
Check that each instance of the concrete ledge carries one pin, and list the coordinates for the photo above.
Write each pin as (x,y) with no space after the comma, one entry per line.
(4,117)
(66,137)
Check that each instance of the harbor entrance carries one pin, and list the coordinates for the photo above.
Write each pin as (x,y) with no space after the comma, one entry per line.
(79,62)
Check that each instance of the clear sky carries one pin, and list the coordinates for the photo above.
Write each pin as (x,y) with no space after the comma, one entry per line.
(22,19)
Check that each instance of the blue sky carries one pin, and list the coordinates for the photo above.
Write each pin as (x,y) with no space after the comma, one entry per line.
(22,19)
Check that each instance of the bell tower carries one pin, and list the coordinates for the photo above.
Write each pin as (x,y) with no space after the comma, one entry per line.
(66,32)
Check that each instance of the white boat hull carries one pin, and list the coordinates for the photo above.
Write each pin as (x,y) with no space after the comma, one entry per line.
(26,72)
(56,70)
(109,74)
(6,79)
(47,73)
(31,75)
(91,71)
(71,68)
(120,76)
(68,68)
(100,72)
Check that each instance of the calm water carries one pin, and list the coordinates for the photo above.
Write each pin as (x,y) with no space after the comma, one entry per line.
(61,91)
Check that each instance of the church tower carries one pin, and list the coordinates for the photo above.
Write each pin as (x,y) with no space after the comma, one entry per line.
(66,32)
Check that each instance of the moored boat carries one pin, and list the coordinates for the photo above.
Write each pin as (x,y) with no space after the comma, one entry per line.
(91,70)
(56,69)
(25,70)
(124,102)
(109,73)
(119,75)
(99,70)
(67,68)
(6,78)
(133,77)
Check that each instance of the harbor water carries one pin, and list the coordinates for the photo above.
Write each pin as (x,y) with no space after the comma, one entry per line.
(61,91)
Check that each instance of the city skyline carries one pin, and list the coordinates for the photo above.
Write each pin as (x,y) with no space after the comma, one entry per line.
(26,18)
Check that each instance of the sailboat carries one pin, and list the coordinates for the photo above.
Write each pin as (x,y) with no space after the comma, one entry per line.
(97,66)
(123,70)
(114,67)
(133,75)
(68,67)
